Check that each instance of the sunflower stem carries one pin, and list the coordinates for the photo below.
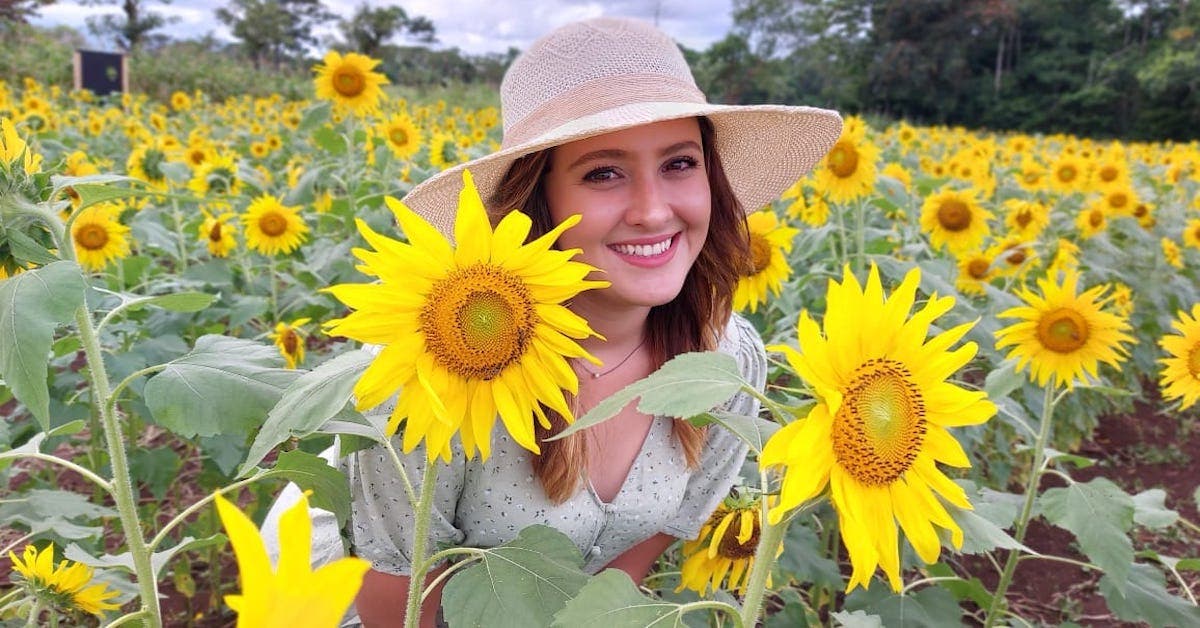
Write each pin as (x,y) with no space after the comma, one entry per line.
(34,613)
(860,237)
(764,559)
(274,290)
(122,484)
(408,489)
(1031,486)
(726,609)
(416,580)
(83,471)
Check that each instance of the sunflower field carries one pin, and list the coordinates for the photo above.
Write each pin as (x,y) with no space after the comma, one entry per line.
(187,288)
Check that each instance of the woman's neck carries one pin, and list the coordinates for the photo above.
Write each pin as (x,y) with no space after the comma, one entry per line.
(622,328)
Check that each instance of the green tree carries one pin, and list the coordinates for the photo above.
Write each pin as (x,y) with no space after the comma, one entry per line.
(133,27)
(19,11)
(274,30)
(370,29)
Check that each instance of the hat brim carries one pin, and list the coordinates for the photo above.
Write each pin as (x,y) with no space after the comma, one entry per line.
(764,149)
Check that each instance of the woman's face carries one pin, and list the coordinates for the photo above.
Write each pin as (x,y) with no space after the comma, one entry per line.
(645,201)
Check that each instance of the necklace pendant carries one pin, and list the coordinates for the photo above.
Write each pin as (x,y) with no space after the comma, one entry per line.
(595,376)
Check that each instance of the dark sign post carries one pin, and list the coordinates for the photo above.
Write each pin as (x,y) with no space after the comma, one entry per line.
(102,73)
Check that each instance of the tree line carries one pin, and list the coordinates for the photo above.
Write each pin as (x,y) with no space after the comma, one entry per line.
(1128,69)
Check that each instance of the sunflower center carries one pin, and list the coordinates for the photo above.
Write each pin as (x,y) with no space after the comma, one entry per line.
(478,320)
(1024,217)
(1196,232)
(272,224)
(1016,257)
(843,159)
(1193,362)
(1067,174)
(1140,210)
(954,215)
(92,237)
(731,548)
(978,268)
(880,425)
(349,81)
(1108,174)
(398,137)
(214,234)
(1031,177)
(1064,330)
(290,341)
(760,254)
(1117,200)
(1095,218)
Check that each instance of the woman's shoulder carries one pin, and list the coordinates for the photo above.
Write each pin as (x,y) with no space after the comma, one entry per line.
(741,340)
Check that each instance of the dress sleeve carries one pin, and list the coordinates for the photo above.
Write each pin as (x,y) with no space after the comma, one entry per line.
(723,454)
(327,544)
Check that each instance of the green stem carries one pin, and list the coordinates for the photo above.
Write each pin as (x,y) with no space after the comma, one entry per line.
(1031,486)
(764,559)
(860,237)
(408,489)
(34,613)
(125,619)
(187,512)
(84,471)
(416,580)
(844,246)
(274,290)
(122,484)
(725,608)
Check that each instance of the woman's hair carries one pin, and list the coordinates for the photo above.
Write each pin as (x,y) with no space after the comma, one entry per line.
(692,321)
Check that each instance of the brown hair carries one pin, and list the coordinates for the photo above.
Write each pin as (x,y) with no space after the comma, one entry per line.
(692,321)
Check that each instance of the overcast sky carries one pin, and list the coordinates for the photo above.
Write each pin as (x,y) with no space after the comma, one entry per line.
(473,26)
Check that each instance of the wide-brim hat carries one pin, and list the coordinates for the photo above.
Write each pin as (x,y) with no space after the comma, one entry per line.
(606,74)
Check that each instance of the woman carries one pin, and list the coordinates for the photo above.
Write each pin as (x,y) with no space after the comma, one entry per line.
(602,118)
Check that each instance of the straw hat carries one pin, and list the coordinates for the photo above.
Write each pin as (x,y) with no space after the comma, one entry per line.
(606,74)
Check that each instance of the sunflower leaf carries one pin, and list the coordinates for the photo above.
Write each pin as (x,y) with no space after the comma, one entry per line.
(224,386)
(932,606)
(1150,509)
(521,583)
(32,304)
(124,561)
(752,430)
(331,489)
(61,513)
(1099,514)
(857,619)
(686,386)
(307,403)
(1144,598)
(611,600)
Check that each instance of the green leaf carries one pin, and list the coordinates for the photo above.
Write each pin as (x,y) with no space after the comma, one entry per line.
(331,490)
(31,305)
(158,560)
(686,386)
(962,589)
(26,249)
(1150,509)
(1143,597)
(1003,380)
(1054,455)
(752,430)
(307,403)
(62,513)
(156,468)
(934,607)
(611,600)
(857,619)
(224,386)
(521,583)
(1099,514)
(805,559)
(794,614)
(315,115)
(329,140)
(177,302)
(91,194)
(981,535)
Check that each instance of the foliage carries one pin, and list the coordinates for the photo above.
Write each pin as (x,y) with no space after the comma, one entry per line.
(133,28)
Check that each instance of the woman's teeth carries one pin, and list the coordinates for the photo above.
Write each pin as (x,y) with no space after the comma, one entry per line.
(643,250)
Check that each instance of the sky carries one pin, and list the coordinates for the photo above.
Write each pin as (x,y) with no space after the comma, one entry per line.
(473,26)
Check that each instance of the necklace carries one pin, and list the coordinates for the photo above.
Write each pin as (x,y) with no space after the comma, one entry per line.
(599,374)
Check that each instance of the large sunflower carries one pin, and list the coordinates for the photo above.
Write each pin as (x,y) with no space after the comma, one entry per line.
(879,427)
(68,587)
(955,219)
(349,82)
(272,227)
(99,236)
(767,268)
(467,332)
(724,548)
(1061,333)
(1180,378)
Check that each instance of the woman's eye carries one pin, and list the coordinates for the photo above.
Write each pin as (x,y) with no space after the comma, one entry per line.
(600,175)
(681,163)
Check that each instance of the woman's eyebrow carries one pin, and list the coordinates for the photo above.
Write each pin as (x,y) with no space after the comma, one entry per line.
(616,153)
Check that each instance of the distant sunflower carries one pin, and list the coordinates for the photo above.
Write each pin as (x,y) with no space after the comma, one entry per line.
(1171,253)
(1068,174)
(974,272)
(1091,221)
(897,172)
(1013,257)
(1032,176)
(955,219)
(767,268)
(217,232)
(848,171)
(468,332)
(1025,219)
(146,163)
(1111,171)
(1119,200)
(68,587)
(1062,334)
(443,151)
(272,227)
(1180,377)
(1144,213)
(14,150)
(289,339)
(725,547)
(180,101)
(1066,257)
(1191,233)
(218,176)
(99,236)
(349,82)
(879,427)
(401,135)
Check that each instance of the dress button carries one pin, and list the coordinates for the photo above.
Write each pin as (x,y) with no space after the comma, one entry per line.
(595,553)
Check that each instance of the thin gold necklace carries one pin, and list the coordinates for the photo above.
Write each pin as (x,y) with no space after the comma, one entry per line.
(599,374)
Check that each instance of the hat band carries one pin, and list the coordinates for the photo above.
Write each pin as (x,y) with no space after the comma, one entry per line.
(596,96)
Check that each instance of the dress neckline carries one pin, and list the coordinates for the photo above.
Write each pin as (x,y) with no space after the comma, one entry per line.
(636,466)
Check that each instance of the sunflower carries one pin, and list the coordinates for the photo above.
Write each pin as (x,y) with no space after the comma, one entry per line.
(1111,171)
(1091,220)
(767,268)
(1119,200)
(1066,257)
(469,332)
(217,232)
(67,587)
(878,429)
(1061,333)
(1068,174)
(401,135)
(99,236)
(1013,257)
(180,101)
(272,227)
(349,82)
(725,547)
(897,172)
(289,338)
(292,594)
(443,151)
(1180,378)
(848,170)
(974,272)
(1032,176)
(1191,233)
(217,176)
(1026,219)
(145,163)
(1171,253)
(1144,213)
(13,149)
(954,218)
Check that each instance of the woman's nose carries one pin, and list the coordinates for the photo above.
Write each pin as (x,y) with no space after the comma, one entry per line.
(649,204)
